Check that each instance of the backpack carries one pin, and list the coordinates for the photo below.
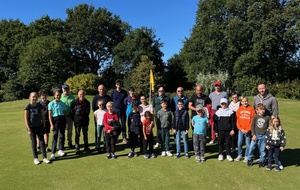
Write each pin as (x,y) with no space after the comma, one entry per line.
(180,124)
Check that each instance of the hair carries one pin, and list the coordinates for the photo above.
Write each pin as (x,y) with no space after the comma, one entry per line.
(234,93)
(135,105)
(56,90)
(164,101)
(43,91)
(243,97)
(32,93)
(148,114)
(260,106)
(131,88)
(110,104)
(180,101)
(100,101)
(271,126)
(200,110)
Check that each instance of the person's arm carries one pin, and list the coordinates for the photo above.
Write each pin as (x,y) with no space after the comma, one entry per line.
(144,131)
(253,129)
(275,107)
(282,140)
(268,139)
(191,107)
(233,123)
(26,119)
(94,104)
(43,117)
(51,120)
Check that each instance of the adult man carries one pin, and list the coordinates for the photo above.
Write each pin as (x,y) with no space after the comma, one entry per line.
(118,95)
(101,96)
(156,103)
(266,99)
(68,99)
(198,99)
(215,97)
(180,95)
(80,112)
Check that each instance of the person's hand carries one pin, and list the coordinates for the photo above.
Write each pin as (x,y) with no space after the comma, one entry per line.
(145,138)
(28,131)
(281,148)
(112,128)
(231,132)
(52,128)
(108,131)
(267,147)
(174,131)
(254,138)
(216,134)
(186,132)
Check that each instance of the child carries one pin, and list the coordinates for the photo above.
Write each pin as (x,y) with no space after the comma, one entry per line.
(275,142)
(148,125)
(34,121)
(200,124)
(259,127)
(234,106)
(244,116)
(134,123)
(224,120)
(164,117)
(110,120)
(181,128)
(99,114)
(44,102)
(57,118)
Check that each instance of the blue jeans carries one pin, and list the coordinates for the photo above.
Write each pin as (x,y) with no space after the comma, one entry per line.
(165,139)
(261,143)
(241,137)
(99,134)
(180,133)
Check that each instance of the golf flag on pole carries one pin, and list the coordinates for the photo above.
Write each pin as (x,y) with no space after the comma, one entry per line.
(152,80)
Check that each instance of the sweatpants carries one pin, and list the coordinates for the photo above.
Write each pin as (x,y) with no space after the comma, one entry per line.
(199,141)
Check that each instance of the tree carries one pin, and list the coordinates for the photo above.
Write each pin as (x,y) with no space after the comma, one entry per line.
(92,34)
(88,82)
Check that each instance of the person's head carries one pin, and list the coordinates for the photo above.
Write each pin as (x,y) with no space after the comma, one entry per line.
(131,91)
(65,89)
(180,104)
(81,95)
(262,89)
(33,97)
(217,86)
(261,109)
(275,122)
(143,100)
(101,90)
(223,103)
(57,94)
(135,107)
(200,111)
(100,104)
(118,84)
(199,90)
(110,106)
(161,91)
(179,92)
(234,97)
(148,115)
(244,101)
(43,95)
(164,104)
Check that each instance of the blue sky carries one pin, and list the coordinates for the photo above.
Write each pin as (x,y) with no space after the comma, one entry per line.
(172,20)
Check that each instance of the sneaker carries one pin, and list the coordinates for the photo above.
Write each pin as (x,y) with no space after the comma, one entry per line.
(125,141)
(61,153)
(156,145)
(177,155)
(245,159)
(169,153)
(281,167)
(250,163)
(221,158)
(153,155)
(202,159)
(197,159)
(36,161)
(113,156)
(146,156)
(211,142)
(108,156)
(48,150)
(130,155)
(269,168)
(238,158)
(45,160)
(277,169)
(186,155)
(52,157)
(261,164)
(163,153)
(135,154)
(228,157)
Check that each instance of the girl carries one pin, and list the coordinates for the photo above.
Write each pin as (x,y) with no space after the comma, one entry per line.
(134,124)
(148,125)
(99,114)
(34,121)
(275,142)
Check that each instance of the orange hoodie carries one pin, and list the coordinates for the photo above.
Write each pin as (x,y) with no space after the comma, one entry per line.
(244,117)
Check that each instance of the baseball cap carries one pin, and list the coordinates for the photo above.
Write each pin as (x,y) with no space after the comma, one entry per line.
(217,83)
(65,86)
(223,100)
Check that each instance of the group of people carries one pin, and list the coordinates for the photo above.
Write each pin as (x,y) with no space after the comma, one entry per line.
(233,124)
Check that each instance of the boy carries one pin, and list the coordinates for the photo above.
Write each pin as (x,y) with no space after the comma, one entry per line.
(181,128)
(258,130)
(200,124)
(164,117)
(134,123)
(224,120)
(44,102)
(244,116)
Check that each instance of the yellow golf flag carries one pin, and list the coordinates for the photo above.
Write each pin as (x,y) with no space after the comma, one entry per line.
(152,80)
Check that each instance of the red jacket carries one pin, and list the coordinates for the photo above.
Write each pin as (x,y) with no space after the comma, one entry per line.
(107,118)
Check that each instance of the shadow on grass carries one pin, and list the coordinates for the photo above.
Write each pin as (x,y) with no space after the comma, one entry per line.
(290,157)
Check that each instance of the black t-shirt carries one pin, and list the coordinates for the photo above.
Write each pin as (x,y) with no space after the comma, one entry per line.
(106,98)
(203,100)
(45,106)
(35,115)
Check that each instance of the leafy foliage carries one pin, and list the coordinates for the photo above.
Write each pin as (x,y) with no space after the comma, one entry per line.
(207,81)
(88,82)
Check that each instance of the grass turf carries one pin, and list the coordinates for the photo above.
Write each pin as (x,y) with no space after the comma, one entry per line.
(93,171)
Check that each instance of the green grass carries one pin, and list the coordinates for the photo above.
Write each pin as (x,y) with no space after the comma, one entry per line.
(93,171)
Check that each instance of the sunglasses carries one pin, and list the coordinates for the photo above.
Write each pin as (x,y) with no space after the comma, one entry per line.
(101,105)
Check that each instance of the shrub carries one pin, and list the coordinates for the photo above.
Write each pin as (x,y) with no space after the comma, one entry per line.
(1,95)
(88,82)
(247,85)
(207,81)
(288,89)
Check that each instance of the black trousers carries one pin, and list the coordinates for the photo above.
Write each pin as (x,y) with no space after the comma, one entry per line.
(39,133)
(133,139)
(224,139)
(60,128)
(149,142)
(110,142)
(84,129)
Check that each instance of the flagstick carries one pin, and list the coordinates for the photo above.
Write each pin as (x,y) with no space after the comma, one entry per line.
(150,94)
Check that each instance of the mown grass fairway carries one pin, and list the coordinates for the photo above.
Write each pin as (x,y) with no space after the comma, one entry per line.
(93,171)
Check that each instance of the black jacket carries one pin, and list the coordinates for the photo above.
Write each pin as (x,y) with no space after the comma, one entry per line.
(224,120)
(80,115)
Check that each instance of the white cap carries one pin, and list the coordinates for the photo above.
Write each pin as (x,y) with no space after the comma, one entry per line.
(223,100)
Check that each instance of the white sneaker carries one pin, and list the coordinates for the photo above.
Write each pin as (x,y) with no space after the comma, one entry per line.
(52,157)
(229,158)
(61,153)
(163,153)
(281,167)
(156,145)
(211,142)
(169,153)
(45,160)
(245,159)
(221,158)
(36,161)
(238,158)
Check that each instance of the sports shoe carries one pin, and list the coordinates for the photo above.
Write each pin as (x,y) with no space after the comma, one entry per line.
(197,159)
(186,155)
(250,163)
(61,153)
(202,159)
(245,159)
(169,153)
(52,157)
(177,155)
(153,155)
(163,153)
(135,154)
(211,142)
(45,160)
(261,164)
(281,167)
(130,155)
(277,169)
(108,156)
(228,157)
(146,156)
(156,145)
(238,158)
(36,161)
(269,168)
(113,156)
(221,157)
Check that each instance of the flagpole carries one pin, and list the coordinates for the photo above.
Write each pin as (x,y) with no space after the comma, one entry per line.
(150,94)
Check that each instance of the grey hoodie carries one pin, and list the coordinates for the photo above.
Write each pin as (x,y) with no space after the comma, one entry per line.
(269,101)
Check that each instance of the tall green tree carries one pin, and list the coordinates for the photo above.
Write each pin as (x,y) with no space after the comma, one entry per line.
(92,34)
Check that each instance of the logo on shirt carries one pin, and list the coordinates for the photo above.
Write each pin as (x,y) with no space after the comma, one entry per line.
(260,122)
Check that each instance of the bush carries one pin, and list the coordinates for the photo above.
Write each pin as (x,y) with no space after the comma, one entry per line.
(247,85)
(88,82)
(1,95)
(288,89)
(207,81)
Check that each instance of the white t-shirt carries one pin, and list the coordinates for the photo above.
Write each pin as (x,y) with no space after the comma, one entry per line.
(99,115)
(142,110)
